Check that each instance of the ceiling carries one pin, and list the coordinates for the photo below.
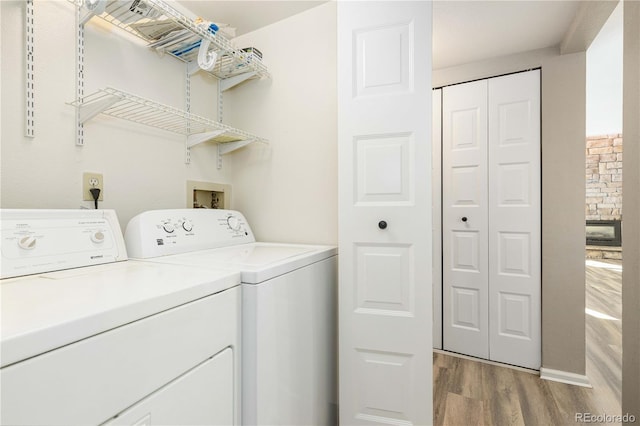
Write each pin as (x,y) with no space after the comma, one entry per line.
(463,31)
(248,15)
(469,31)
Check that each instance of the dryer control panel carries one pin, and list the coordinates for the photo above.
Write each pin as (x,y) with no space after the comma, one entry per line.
(37,241)
(164,232)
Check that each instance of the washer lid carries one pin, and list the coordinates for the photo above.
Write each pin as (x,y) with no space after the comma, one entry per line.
(257,262)
(260,254)
(43,312)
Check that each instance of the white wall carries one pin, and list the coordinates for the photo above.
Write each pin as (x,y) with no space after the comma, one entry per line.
(288,189)
(604,78)
(143,168)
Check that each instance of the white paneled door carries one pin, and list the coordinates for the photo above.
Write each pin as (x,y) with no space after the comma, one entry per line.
(491,219)
(514,219)
(384,95)
(464,219)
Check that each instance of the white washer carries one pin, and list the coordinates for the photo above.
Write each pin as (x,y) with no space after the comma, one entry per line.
(88,337)
(289,319)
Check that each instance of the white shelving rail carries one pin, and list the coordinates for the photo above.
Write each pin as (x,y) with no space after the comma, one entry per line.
(126,106)
(169,31)
(29,130)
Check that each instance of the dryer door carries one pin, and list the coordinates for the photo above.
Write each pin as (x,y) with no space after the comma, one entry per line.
(203,395)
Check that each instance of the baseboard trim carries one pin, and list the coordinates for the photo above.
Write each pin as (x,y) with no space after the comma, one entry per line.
(565,377)
(486,361)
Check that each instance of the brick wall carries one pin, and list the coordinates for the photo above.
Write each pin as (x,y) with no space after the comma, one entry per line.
(604,178)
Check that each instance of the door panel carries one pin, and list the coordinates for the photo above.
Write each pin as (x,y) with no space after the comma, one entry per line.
(465,308)
(514,219)
(466,251)
(384,279)
(464,219)
(384,93)
(383,56)
(395,371)
(384,169)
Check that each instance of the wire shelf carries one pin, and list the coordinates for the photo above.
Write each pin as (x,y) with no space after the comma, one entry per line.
(231,61)
(129,107)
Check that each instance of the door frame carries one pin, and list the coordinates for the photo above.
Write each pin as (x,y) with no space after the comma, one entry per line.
(436,229)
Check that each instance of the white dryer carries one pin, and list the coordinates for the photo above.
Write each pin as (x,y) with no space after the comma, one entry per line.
(289,308)
(88,337)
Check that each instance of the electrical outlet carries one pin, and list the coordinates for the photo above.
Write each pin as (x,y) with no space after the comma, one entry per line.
(92,180)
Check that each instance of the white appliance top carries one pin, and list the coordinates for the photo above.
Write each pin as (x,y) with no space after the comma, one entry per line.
(215,239)
(34,241)
(257,262)
(48,310)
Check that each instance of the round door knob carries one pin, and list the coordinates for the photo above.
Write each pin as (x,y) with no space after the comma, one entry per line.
(464,219)
(382,224)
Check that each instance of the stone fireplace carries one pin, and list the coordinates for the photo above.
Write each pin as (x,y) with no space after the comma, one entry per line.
(603,206)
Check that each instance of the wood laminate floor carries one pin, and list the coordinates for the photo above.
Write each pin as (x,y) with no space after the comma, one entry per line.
(468,392)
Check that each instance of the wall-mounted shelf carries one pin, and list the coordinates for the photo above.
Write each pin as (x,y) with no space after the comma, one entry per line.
(166,29)
(170,31)
(125,106)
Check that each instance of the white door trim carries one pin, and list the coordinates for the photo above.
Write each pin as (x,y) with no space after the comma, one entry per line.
(436,188)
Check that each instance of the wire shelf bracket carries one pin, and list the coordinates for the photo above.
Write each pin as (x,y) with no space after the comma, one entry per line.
(230,82)
(90,109)
(193,140)
(230,147)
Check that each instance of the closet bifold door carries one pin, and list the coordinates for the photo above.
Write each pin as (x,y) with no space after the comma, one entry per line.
(464,219)
(514,219)
(491,215)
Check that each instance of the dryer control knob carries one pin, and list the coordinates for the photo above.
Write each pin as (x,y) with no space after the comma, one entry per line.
(234,223)
(27,243)
(168,228)
(97,237)
(187,226)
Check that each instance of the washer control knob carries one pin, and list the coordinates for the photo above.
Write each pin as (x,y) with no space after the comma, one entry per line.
(27,243)
(234,223)
(168,228)
(97,237)
(187,226)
